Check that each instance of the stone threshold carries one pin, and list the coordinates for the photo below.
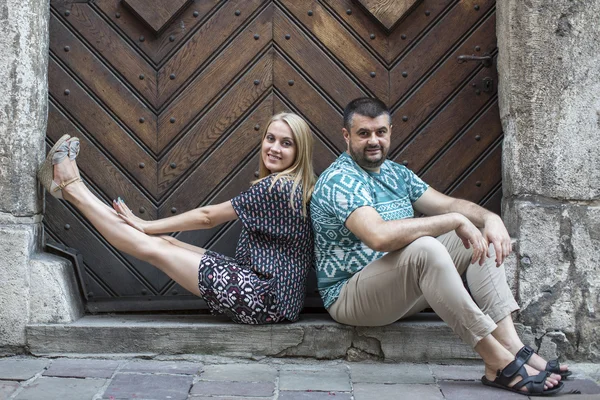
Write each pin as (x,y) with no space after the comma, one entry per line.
(423,338)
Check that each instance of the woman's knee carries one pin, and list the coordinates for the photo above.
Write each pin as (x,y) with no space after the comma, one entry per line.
(152,249)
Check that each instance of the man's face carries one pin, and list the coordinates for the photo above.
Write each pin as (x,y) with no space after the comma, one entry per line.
(369,140)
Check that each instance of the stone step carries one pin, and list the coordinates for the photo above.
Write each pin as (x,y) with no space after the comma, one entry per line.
(423,338)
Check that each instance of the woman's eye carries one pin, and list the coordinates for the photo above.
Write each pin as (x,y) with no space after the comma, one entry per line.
(270,138)
(287,144)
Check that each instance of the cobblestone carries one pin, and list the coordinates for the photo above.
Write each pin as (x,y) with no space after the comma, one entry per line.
(206,378)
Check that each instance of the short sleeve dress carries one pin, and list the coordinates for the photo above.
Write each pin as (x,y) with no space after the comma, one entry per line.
(266,281)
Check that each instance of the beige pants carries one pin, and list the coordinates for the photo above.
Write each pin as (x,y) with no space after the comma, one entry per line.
(425,273)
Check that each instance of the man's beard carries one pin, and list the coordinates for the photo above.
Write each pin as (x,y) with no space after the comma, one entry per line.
(361,159)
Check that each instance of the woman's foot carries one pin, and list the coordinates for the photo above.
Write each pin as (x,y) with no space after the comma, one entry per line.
(66,177)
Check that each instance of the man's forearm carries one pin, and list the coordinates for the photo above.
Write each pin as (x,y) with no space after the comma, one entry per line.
(475,213)
(396,234)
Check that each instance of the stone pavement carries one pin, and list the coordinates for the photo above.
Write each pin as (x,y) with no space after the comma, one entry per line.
(29,378)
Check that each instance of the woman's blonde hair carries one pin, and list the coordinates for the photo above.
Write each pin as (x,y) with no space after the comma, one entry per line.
(301,170)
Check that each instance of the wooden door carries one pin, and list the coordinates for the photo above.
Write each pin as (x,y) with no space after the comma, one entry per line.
(169,101)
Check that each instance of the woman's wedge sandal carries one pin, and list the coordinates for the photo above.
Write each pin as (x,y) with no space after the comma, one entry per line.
(58,153)
(533,384)
(552,366)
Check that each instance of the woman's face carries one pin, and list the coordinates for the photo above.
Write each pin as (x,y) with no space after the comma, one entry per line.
(278,147)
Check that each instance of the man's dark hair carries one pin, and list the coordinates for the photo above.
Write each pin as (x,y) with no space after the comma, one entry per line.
(367,106)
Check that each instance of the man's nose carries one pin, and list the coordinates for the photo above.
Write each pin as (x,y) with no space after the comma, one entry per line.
(373,139)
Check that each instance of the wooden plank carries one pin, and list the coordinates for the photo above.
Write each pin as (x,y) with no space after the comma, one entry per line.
(464,152)
(218,120)
(409,30)
(436,89)
(322,155)
(98,168)
(494,201)
(310,103)
(446,124)
(362,24)
(388,12)
(215,78)
(203,45)
(156,14)
(484,177)
(342,45)
(103,83)
(113,49)
(156,47)
(218,166)
(327,75)
(101,125)
(434,46)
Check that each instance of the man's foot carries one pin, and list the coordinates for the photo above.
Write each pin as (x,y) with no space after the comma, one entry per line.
(518,377)
(534,360)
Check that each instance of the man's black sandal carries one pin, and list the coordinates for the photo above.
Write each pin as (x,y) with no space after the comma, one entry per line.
(552,366)
(533,384)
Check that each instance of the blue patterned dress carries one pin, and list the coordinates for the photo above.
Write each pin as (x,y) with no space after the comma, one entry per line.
(266,281)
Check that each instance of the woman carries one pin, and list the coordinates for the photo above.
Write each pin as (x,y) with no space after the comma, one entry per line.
(265,283)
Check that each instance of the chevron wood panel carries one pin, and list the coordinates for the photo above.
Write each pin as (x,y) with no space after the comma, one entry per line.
(170,107)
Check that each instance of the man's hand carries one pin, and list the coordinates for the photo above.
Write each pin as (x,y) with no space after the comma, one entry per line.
(471,237)
(495,233)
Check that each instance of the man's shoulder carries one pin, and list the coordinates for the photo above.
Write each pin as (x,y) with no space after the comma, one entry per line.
(340,168)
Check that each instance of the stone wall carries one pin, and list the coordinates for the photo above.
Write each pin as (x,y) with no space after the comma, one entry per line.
(549,91)
(33,286)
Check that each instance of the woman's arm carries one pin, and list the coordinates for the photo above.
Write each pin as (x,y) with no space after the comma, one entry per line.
(199,218)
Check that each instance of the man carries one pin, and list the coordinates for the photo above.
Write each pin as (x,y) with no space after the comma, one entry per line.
(377,264)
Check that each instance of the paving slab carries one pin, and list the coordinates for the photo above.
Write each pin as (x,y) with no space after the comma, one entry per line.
(7,388)
(15,369)
(471,390)
(585,386)
(391,373)
(458,372)
(82,368)
(150,387)
(162,367)
(221,388)
(370,391)
(296,395)
(239,373)
(228,398)
(319,380)
(61,388)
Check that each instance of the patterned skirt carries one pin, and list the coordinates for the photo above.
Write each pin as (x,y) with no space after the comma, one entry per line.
(236,292)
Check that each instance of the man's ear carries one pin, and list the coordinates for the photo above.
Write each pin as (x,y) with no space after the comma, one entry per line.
(346,135)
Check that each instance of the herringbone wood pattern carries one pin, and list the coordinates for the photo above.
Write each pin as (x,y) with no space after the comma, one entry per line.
(172,121)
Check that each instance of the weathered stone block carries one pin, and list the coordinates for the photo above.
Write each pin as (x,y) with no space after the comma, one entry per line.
(559,275)
(55,295)
(549,95)
(23,102)
(17,243)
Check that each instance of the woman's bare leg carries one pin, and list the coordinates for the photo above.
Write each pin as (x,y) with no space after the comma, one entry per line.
(183,245)
(178,263)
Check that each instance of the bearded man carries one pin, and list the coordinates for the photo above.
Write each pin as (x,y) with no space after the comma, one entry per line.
(376,263)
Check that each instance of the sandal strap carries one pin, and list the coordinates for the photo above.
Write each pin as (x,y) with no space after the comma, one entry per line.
(60,153)
(533,384)
(511,371)
(553,366)
(525,353)
(65,184)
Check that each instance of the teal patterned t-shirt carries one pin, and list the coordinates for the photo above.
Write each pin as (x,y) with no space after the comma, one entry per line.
(341,189)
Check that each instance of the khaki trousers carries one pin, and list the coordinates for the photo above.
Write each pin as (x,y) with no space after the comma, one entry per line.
(425,273)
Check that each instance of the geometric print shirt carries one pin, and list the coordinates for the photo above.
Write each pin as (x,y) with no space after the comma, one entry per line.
(276,241)
(342,188)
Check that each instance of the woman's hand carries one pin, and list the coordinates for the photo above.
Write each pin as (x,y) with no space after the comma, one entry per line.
(127,215)
(471,237)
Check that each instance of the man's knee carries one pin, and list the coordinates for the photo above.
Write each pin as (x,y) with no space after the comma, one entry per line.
(429,252)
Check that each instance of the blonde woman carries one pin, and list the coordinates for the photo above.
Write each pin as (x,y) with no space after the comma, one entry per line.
(265,282)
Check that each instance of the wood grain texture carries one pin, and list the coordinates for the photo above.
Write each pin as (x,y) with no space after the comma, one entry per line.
(156,14)
(388,12)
